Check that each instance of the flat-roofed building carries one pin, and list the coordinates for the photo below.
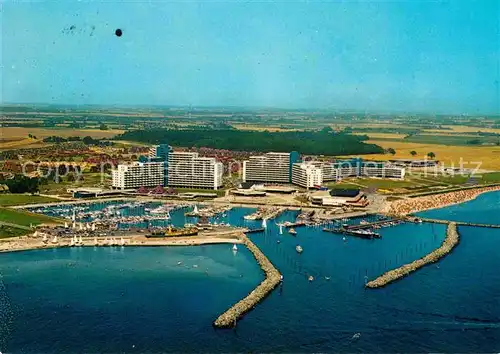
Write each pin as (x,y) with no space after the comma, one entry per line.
(306,175)
(138,174)
(271,167)
(340,197)
(189,170)
(382,170)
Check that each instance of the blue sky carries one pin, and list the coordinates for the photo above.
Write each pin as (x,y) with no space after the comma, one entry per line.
(374,56)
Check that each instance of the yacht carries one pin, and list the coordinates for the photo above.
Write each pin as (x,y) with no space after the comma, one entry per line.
(235,248)
(54,240)
(311,278)
(292,231)
(299,249)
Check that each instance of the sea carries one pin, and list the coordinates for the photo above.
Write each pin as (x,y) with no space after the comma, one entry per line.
(165,299)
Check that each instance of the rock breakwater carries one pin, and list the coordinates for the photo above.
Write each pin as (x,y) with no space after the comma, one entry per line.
(273,277)
(452,239)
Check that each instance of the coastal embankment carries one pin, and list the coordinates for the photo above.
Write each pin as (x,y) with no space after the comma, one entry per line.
(452,239)
(414,205)
(273,278)
(26,243)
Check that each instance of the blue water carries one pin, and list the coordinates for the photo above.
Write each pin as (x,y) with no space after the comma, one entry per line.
(485,209)
(139,300)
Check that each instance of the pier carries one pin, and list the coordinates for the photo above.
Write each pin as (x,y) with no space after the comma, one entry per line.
(375,223)
(452,239)
(345,231)
(460,223)
(272,279)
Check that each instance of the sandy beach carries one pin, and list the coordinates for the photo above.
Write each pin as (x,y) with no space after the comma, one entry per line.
(414,205)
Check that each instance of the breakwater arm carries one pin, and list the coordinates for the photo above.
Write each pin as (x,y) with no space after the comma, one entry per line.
(451,240)
(273,277)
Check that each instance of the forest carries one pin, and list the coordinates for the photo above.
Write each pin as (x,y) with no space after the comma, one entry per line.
(323,142)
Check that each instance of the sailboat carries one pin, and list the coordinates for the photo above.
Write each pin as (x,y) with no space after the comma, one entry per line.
(93,227)
(74,225)
(235,248)
(122,242)
(195,209)
(72,242)
(74,216)
(81,241)
(281,229)
(65,224)
(35,234)
(264,223)
(54,240)
(44,239)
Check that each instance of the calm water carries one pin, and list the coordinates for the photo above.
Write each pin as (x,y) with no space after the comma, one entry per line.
(138,299)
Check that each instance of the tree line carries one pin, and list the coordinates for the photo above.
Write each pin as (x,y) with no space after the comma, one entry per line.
(324,142)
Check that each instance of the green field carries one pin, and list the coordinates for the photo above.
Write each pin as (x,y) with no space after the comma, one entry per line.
(22,199)
(7,231)
(24,218)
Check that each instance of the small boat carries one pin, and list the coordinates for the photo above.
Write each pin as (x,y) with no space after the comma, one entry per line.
(54,240)
(327,278)
(44,239)
(122,242)
(356,336)
(344,239)
(281,277)
(72,242)
(81,241)
(235,248)
(278,241)
(264,223)
(179,263)
(299,249)
(292,231)
(311,278)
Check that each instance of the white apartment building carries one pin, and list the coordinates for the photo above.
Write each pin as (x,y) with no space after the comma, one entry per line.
(382,170)
(270,167)
(329,171)
(306,175)
(188,170)
(138,174)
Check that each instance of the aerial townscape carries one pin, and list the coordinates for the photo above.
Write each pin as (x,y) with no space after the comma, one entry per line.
(243,193)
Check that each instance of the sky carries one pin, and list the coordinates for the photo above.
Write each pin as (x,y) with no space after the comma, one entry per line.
(376,56)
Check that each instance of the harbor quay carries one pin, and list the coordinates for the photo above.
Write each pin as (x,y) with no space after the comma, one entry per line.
(450,242)
(272,279)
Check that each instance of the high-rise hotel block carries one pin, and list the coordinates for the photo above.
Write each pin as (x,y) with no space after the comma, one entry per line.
(272,167)
(187,169)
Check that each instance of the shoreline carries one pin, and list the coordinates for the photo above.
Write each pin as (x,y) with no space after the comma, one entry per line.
(449,243)
(27,243)
(438,201)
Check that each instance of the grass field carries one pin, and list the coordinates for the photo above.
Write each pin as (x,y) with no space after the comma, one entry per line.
(7,231)
(488,156)
(21,199)
(24,218)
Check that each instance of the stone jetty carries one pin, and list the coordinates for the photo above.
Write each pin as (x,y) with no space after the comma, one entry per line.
(452,239)
(273,278)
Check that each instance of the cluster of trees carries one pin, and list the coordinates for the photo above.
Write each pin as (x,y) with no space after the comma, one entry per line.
(324,142)
(23,184)
(88,140)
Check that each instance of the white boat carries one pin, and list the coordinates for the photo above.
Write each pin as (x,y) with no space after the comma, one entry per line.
(195,209)
(281,229)
(35,234)
(235,248)
(44,239)
(344,239)
(54,240)
(72,242)
(93,227)
(292,231)
(81,241)
(299,249)
(65,224)
(122,242)
(264,223)
(311,278)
